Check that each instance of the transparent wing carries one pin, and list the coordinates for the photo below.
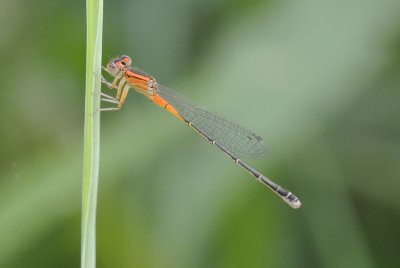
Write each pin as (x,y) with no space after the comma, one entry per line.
(240,141)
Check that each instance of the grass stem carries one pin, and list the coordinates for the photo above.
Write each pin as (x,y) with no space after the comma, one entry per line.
(94,12)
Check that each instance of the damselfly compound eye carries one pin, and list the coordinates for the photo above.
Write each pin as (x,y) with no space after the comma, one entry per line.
(125,60)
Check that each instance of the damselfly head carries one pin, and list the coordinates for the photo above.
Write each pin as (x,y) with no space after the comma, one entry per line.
(119,63)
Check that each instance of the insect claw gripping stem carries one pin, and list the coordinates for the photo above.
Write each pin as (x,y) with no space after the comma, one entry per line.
(104,81)
(109,109)
(108,98)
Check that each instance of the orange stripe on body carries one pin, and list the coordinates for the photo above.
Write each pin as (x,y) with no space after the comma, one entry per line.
(137,80)
(164,104)
(141,83)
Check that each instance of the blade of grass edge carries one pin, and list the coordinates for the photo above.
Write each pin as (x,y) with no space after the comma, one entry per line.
(94,13)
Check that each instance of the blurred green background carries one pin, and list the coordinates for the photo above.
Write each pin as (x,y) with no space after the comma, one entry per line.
(319,80)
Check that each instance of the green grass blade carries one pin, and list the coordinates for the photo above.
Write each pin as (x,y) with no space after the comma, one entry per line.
(92,132)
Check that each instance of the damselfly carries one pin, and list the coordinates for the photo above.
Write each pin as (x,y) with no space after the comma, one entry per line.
(232,139)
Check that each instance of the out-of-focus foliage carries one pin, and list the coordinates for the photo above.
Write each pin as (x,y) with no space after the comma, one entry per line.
(318,79)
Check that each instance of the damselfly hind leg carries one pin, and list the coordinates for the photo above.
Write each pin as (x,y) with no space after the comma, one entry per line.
(113,85)
(109,109)
(108,98)
(111,99)
(122,92)
(120,86)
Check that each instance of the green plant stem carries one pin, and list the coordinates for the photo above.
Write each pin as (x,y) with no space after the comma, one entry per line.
(94,12)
